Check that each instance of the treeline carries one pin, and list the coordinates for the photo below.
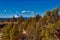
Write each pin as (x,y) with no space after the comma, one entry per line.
(35,28)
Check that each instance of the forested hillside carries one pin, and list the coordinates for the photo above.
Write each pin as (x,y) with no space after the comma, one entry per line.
(34,28)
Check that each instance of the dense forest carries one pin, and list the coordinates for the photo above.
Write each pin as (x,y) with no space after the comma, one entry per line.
(34,28)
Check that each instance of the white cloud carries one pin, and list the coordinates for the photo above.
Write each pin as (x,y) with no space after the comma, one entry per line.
(5,10)
(23,11)
(16,11)
(28,12)
(16,15)
(32,12)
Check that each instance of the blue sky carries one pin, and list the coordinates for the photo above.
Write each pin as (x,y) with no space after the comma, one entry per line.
(26,8)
